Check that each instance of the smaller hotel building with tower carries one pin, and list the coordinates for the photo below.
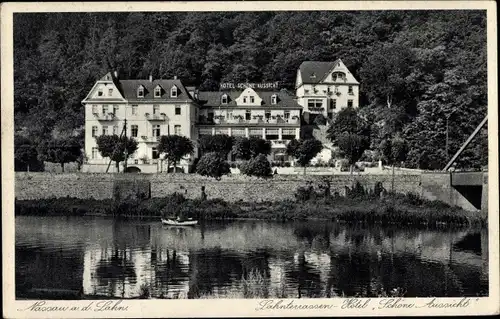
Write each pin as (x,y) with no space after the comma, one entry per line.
(147,109)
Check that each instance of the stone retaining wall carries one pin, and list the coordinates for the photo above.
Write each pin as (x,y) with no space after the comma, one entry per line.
(229,188)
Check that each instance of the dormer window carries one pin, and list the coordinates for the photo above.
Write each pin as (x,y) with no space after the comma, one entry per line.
(224,99)
(158,91)
(173,91)
(274,99)
(140,92)
(99,93)
(313,75)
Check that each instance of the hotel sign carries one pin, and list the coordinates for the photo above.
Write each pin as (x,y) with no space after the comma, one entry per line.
(242,86)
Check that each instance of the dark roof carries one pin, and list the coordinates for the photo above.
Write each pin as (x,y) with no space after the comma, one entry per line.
(312,72)
(214,98)
(128,88)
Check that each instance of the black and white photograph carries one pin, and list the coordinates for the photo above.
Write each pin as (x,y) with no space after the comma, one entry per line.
(272,155)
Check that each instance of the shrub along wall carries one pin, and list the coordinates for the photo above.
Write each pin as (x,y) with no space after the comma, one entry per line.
(229,188)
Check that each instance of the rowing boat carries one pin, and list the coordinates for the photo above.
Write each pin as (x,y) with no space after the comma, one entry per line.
(173,222)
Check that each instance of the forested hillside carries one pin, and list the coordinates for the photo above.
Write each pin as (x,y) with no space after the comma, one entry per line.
(415,68)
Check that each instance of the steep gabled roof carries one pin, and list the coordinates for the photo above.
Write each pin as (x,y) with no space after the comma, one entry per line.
(313,72)
(214,98)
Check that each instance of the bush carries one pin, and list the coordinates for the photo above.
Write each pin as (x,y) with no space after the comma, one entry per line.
(257,166)
(287,164)
(305,193)
(320,119)
(213,165)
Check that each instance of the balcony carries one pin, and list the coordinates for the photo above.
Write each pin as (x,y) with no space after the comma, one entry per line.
(316,109)
(150,139)
(155,117)
(105,117)
(259,120)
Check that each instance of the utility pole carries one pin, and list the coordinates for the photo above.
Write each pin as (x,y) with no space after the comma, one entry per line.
(126,142)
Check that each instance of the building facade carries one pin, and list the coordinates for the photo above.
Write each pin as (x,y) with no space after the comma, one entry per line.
(148,109)
(142,109)
(325,88)
(270,115)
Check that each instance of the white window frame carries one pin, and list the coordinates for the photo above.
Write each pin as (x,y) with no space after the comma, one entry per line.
(104,109)
(156,109)
(156,132)
(100,92)
(104,130)
(134,109)
(252,99)
(351,90)
(140,92)
(95,153)
(157,92)
(94,130)
(173,91)
(95,109)
(178,107)
(115,109)
(110,91)
(274,99)
(224,99)
(115,130)
(350,101)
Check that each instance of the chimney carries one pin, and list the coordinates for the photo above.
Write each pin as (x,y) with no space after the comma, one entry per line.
(175,77)
(150,78)
(116,74)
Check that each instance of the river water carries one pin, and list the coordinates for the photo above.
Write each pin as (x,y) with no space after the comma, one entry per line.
(111,258)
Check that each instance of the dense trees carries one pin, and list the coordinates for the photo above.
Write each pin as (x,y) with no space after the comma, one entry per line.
(25,152)
(351,133)
(246,148)
(60,151)
(414,67)
(221,144)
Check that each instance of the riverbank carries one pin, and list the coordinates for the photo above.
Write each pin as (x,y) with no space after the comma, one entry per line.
(354,208)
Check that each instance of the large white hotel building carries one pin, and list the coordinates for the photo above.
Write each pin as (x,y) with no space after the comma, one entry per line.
(156,107)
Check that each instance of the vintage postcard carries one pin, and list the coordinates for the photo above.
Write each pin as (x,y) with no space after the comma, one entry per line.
(228,159)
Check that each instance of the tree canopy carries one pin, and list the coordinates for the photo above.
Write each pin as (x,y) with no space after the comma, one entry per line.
(114,146)
(246,148)
(175,147)
(60,151)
